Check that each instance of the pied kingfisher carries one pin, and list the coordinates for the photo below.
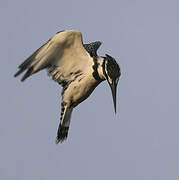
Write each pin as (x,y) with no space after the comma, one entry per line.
(75,66)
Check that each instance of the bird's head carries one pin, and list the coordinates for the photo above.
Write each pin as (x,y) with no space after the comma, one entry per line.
(111,71)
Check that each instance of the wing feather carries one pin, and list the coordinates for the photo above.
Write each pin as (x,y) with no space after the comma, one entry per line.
(64,50)
(30,60)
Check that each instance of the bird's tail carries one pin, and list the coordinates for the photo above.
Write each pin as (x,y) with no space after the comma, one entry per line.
(63,128)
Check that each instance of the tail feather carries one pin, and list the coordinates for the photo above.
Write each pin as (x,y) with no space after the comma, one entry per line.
(63,128)
(62,134)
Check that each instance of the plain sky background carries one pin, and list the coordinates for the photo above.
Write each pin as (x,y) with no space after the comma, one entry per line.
(141,142)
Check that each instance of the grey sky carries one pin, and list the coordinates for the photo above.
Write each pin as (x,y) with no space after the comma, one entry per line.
(141,141)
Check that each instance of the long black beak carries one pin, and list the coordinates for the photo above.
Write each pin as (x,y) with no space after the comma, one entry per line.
(113,89)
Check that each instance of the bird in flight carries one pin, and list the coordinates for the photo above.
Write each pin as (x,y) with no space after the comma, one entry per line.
(76,67)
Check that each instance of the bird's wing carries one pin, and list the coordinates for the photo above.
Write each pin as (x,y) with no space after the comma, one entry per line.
(92,48)
(64,50)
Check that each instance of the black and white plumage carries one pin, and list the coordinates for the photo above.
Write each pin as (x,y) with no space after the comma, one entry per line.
(74,65)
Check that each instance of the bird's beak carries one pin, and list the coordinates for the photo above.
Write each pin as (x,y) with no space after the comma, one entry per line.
(113,89)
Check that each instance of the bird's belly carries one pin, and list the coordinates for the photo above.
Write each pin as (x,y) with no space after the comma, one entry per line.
(83,94)
(78,92)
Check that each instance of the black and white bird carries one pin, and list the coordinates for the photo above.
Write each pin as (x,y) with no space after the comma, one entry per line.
(75,66)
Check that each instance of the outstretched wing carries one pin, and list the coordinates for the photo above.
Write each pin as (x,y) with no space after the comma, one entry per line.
(64,50)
